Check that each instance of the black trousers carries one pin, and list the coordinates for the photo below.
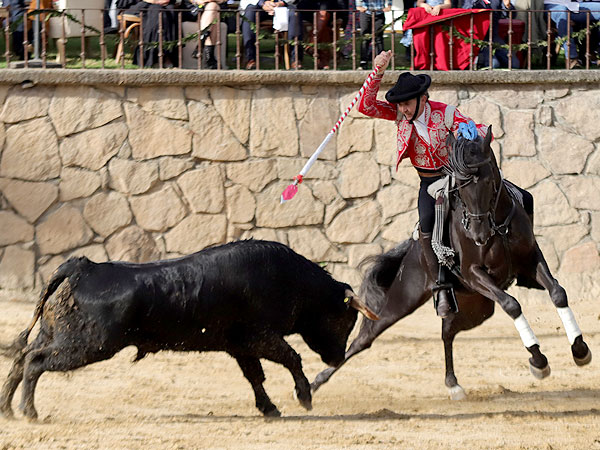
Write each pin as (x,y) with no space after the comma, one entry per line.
(366,27)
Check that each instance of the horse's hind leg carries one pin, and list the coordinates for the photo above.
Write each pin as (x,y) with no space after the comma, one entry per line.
(581,353)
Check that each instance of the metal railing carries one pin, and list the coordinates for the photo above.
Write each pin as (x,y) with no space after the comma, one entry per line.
(98,48)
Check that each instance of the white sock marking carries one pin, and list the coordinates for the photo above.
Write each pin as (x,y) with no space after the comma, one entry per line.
(525,331)
(569,322)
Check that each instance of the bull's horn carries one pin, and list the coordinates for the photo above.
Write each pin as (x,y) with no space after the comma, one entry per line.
(358,304)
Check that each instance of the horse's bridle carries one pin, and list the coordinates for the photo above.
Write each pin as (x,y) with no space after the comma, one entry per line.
(501,229)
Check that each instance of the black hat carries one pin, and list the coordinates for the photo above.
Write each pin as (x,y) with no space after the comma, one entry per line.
(407,87)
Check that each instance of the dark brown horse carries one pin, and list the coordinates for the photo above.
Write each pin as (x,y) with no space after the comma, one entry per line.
(494,244)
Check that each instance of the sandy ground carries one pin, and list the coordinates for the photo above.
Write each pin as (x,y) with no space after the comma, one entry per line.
(390,396)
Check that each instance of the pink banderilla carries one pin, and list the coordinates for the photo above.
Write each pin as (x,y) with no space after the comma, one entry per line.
(291,190)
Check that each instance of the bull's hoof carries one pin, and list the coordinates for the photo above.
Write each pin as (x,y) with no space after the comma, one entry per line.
(304,400)
(272,412)
(457,392)
(29,413)
(540,374)
(6,412)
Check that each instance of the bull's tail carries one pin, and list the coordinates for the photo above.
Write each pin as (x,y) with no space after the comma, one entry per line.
(382,270)
(65,270)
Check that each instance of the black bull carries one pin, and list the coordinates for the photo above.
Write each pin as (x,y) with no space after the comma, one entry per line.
(241,298)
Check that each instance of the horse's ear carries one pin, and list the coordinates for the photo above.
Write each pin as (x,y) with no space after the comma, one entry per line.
(488,138)
(450,140)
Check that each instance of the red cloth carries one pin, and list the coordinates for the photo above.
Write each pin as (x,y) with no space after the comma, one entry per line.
(420,21)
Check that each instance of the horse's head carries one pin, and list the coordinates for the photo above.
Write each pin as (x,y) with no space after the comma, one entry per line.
(473,165)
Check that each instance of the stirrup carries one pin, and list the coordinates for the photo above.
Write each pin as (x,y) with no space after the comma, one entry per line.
(449,288)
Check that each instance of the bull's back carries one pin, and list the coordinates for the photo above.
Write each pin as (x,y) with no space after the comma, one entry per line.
(241,284)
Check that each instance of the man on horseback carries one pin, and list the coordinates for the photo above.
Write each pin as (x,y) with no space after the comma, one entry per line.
(423,128)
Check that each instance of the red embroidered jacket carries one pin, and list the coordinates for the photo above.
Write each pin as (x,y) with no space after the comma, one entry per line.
(423,155)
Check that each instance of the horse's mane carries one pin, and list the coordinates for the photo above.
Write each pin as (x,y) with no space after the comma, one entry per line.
(457,164)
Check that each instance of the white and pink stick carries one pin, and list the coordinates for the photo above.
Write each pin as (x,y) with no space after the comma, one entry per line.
(291,190)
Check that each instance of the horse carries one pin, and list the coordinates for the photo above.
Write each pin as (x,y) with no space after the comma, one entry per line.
(494,245)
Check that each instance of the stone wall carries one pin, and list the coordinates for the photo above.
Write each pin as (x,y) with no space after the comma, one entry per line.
(143,166)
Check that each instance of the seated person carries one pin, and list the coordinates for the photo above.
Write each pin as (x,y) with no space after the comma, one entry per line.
(17,9)
(434,7)
(500,56)
(304,11)
(149,11)
(265,8)
(560,15)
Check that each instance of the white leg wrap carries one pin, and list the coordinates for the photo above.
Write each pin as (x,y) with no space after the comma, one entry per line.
(568,320)
(525,331)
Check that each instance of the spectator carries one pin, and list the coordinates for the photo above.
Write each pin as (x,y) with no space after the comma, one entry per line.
(17,10)
(149,11)
(434,7)
(304,11)
(326,27)
(265,8)
(560,15)
(500,56)
(370,9)
(539,26)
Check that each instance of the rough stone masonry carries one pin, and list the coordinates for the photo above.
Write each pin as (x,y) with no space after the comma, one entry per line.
(142,165)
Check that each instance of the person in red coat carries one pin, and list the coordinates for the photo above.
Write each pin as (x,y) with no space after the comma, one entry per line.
(423,126)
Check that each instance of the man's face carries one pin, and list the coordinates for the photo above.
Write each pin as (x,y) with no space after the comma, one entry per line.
(408,107)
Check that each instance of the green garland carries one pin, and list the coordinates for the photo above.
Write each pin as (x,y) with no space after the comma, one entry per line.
(168,45)
(578,35)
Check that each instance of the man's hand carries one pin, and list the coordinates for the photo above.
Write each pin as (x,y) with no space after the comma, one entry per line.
(361,9)
(382,60)
(269,6)
(435,11)
(387,9)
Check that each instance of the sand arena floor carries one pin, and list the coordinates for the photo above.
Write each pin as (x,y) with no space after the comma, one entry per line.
(390,396)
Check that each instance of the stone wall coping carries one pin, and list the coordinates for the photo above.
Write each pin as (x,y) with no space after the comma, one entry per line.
(232,78)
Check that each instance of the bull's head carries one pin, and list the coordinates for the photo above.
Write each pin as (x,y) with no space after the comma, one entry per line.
(328,334)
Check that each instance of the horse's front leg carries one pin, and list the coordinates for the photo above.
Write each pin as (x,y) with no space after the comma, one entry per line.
(581,353)
(483,283)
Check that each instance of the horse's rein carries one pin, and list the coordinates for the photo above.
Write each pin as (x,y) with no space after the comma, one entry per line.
(501,229)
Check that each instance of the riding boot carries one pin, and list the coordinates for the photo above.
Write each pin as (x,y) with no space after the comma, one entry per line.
(208,57)
(442,296)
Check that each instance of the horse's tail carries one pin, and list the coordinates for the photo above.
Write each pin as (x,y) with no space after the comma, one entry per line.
(65,270)
(382,270)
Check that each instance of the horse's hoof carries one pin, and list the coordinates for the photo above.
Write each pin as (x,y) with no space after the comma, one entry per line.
(583,361)
(540,374)
(457,393)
